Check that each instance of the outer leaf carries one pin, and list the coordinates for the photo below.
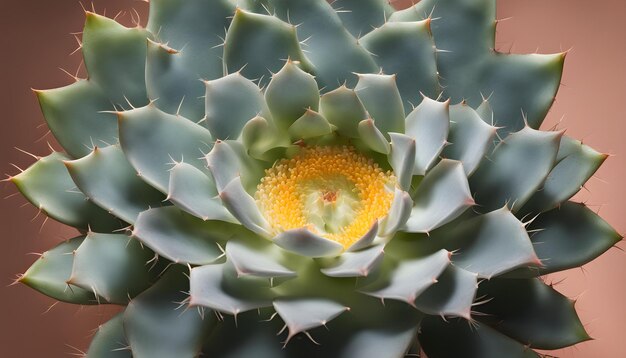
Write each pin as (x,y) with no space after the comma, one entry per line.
(110,341)
(568,237)
(322,33)
(115,57)
(436,336)
(532,312)
(152,317)
(49,187)
(441,197)
(107,178)
(49,275)
(520,85)
(153,141)
(258,44)
(115,267)
(517,168)
(576,163)
(251,335)
(362,16)
(194,30)
(407,50)
(78,116)
(180,237)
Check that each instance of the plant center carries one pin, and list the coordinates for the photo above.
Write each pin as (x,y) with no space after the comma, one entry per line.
(335,192)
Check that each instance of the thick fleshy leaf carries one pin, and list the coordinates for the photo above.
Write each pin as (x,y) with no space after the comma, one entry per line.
(261,138)
(290,93)
(346,336)
(195,33)
(428,125)
(452,295)
(154,140)
(343,109)
(322,33)
(79,116)
(366,240)
(243,207)
(257,45)
(218,287)
(399,213)
(194,191)
(49,275)
(115,267)
(180,237)
(303,314)
(373,137)
(531,312)
(362,16)
(458,338)
(310,125)
(516,169)
(381,98)
(519,86)
(410,278)
(110,340)
(470,137)
(107,178)
(568,237)
(407,50)
(576,163)
(306,243)
(402,159)
(441,197)
(231,101)
(115,58)
(354,264)
(156,324)
(49,187)
(260,259)
(490,244)
(229,160)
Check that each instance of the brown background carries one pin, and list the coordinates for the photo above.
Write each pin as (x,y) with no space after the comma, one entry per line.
(35,41)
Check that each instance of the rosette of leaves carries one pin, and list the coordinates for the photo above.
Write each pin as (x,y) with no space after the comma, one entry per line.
(293,178)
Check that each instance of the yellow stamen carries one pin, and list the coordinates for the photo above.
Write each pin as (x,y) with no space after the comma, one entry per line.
(334,191)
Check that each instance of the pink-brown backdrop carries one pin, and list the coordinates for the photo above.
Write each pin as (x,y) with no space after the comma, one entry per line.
(35,41)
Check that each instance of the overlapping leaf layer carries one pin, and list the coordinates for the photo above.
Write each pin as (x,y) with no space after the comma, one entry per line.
(177,123)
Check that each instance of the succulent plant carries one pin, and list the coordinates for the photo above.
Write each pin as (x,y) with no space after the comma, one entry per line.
(321,180)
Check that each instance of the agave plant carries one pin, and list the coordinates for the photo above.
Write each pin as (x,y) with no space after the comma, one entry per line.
(321,180)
